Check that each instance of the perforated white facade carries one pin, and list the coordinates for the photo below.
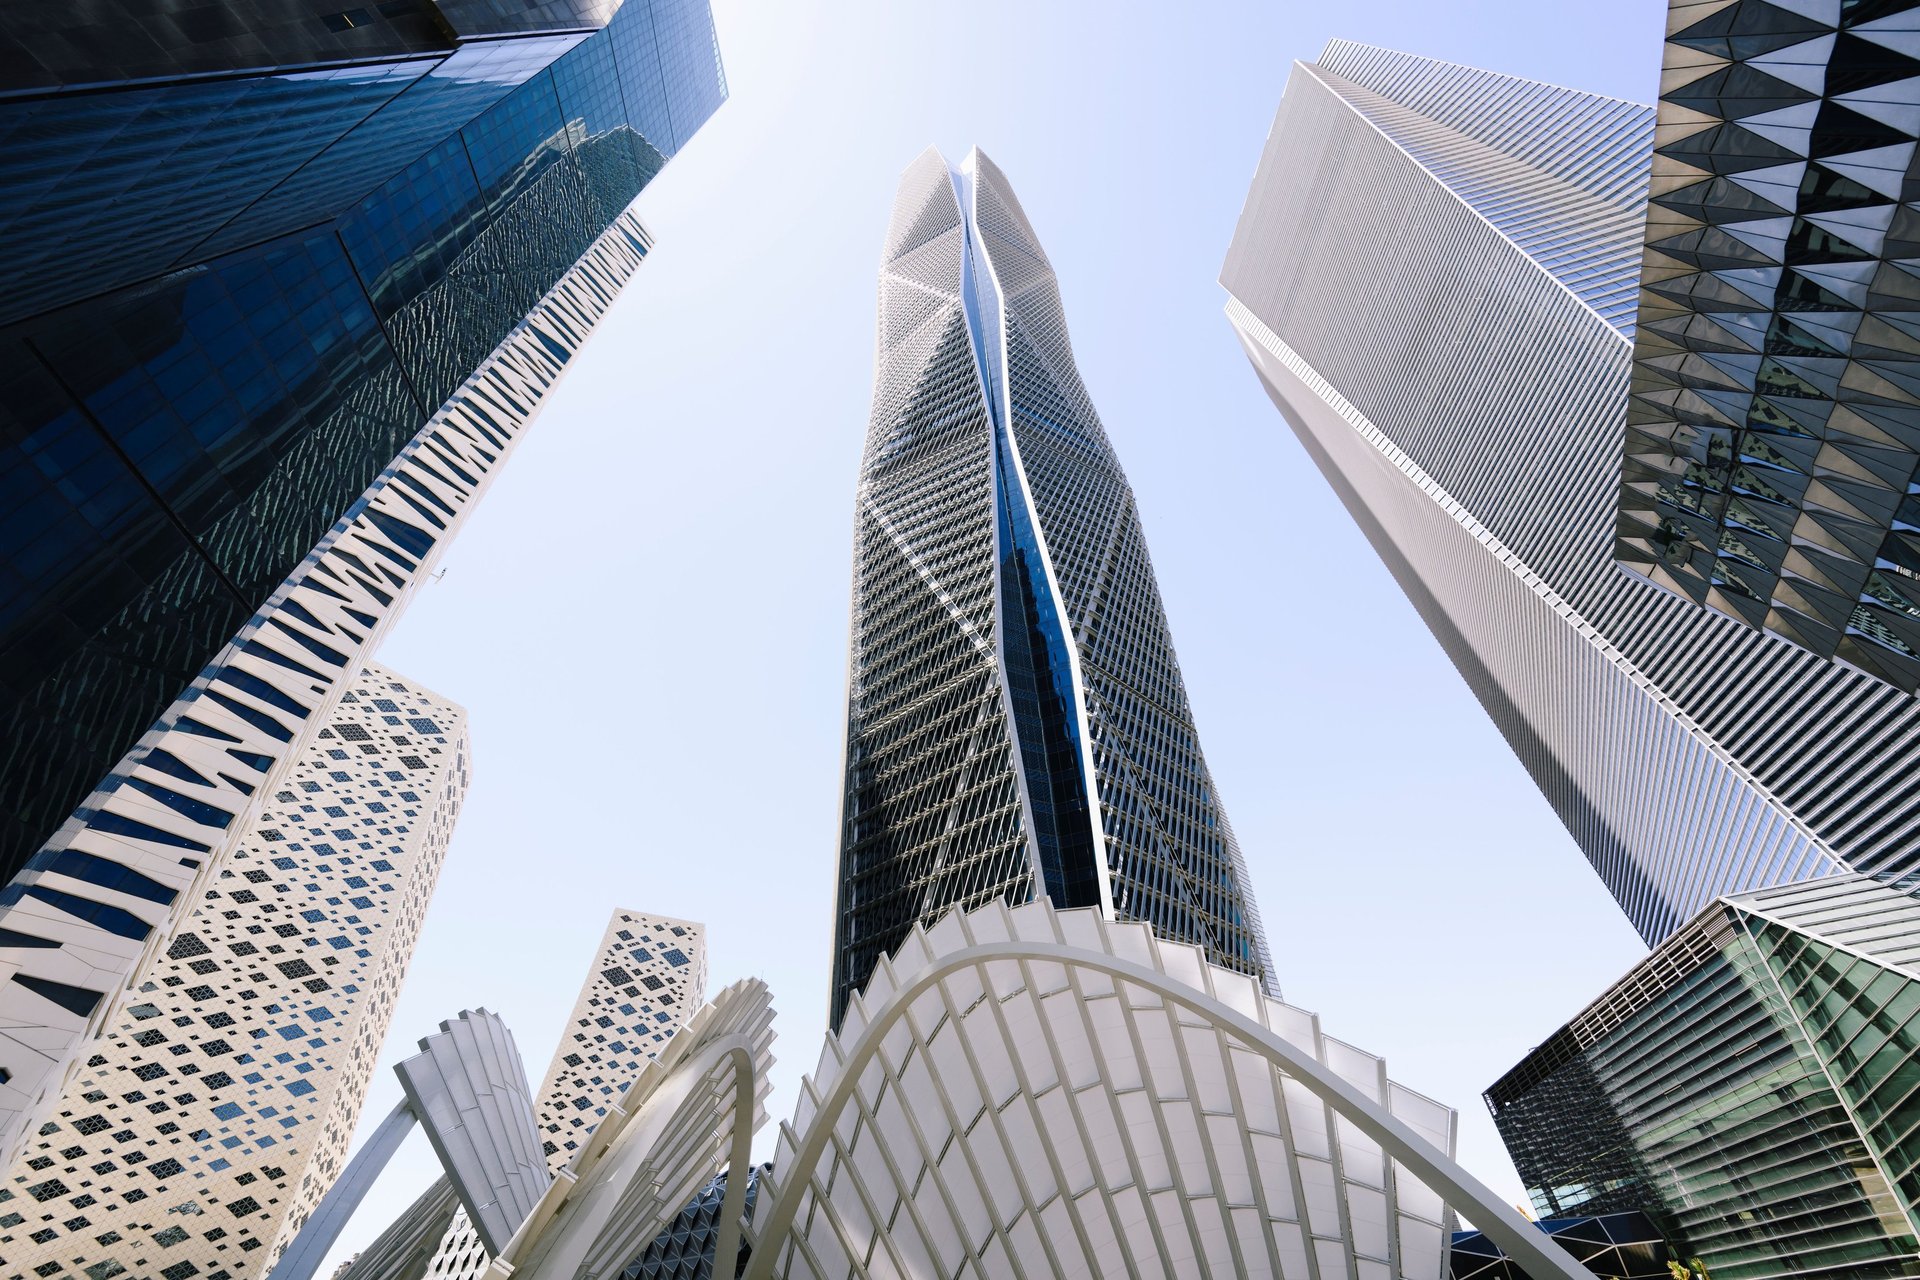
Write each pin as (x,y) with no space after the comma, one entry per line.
(648,976)
(692,1110)
(216,1109)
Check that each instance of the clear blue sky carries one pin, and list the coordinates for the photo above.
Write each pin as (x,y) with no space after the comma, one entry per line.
(648,616)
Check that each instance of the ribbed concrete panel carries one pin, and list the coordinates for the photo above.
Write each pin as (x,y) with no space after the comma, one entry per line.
(1466,400)
(469,1089)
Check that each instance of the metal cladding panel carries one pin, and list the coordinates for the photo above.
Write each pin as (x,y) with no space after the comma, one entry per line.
(1465,401)
(1857,912)
(1562,174)
(1774,425)
(1017,723)
(469,1089)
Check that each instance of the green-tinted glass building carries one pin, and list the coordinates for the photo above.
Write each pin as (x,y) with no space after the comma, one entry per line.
(1754,1085)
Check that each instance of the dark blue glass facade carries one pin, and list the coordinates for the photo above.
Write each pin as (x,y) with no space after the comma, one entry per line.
(234,301)
(1039,677)
(1615,1246)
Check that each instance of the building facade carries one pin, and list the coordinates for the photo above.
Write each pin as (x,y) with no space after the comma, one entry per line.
(72,936)
(216,1108)
(1017,725)
(648,976)
(1435,278)
(684,1251)
(247,267)
(1774,423)
(1753,1085)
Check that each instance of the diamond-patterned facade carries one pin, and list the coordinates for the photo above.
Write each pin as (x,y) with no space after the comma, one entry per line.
(1773,426)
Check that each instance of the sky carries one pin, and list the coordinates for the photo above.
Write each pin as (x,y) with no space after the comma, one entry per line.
(647,618)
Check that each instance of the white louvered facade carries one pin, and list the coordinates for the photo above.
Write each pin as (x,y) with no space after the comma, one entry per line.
(1433,277)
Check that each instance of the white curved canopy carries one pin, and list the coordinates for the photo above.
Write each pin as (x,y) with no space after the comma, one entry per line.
(1024,1092)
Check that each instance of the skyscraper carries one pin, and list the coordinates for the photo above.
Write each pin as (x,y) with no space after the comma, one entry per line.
(275,330)
(72,934)
(246,266)
(217,1106)
(1017,726)
(1435,278)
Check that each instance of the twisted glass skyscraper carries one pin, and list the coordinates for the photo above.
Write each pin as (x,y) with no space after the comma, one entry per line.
(1017,726)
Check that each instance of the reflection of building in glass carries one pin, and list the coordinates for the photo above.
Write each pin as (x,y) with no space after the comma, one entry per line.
(216,1108)
(1617,1246)
(647,978)
(1017,725)
(1774,425)
(232,299)
(1753,1085)
(1434,277)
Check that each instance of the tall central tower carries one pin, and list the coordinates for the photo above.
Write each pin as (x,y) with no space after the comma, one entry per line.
(1016,721)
